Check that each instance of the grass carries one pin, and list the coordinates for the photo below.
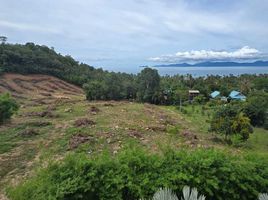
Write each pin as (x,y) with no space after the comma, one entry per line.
(258,141)
(199,120)
(194,115)
(117,124)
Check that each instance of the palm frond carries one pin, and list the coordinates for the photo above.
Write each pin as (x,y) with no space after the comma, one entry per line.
(263,196)
(189,194)
(165,194)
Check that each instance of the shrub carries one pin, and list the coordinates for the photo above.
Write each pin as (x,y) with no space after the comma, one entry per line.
(229,120)
(200,99)
(135,174)
(8,107)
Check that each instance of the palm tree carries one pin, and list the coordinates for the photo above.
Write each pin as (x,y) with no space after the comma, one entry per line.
(165,194)
(168,194)
(263,197)
(189,194)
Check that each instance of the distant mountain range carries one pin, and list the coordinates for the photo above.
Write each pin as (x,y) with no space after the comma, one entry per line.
(218,64)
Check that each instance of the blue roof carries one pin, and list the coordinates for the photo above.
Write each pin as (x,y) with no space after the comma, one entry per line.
(237,95)
(215,94)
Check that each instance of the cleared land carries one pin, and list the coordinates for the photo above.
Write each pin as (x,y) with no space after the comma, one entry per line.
(38,88)
(55,119)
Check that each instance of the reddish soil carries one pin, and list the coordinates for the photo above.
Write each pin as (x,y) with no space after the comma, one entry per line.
(38,87)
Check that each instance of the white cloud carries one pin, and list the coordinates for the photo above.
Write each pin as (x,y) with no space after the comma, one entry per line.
(137,29)
(27,27)
(245,53)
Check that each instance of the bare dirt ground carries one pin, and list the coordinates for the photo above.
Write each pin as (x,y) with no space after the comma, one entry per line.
(38,88)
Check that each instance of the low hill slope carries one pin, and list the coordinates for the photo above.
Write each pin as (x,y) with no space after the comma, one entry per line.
(38,88)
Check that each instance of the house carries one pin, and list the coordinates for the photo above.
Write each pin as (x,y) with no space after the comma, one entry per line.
(192,94)
(236,95)
(215,94)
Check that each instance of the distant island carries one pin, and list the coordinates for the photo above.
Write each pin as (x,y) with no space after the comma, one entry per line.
(218,64)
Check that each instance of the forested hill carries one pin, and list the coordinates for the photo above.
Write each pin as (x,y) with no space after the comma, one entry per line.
(36,59)
(147,86)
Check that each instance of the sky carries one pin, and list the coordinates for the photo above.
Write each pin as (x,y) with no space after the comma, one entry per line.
(122,35)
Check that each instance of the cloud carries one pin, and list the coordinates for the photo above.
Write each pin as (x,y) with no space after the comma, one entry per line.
(27,27)
(245,53)
(135,30)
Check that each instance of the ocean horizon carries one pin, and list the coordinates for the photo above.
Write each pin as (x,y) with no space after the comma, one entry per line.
(204,71)
(197,71)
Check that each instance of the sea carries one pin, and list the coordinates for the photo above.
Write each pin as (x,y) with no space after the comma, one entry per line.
(204,71)
(196,71)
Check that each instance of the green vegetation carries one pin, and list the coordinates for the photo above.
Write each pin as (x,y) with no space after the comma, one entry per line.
(147,86)
(88,139)
(8,107)
(229,120)
(256,108)
(134,174)
(36,59)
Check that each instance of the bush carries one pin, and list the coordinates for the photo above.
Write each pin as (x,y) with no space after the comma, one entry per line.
(135,174)
(229,120)
(8,107)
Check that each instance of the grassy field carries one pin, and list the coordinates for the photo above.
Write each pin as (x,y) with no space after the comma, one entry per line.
(30,139)
(50,128)
(199,118)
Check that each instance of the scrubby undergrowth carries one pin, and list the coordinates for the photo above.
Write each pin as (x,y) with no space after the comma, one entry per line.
(135,174)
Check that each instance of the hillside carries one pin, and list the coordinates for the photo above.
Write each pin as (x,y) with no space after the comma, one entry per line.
(112,113)
(30,58)
(38,88)
(55,119)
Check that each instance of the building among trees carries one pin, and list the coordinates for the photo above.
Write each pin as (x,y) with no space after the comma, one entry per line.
(193,94)
(236,95)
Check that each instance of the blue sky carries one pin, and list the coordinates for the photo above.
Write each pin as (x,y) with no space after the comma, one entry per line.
(122,35)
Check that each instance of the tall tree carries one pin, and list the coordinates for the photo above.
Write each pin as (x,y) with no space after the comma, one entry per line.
(148,82)
(3,39)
